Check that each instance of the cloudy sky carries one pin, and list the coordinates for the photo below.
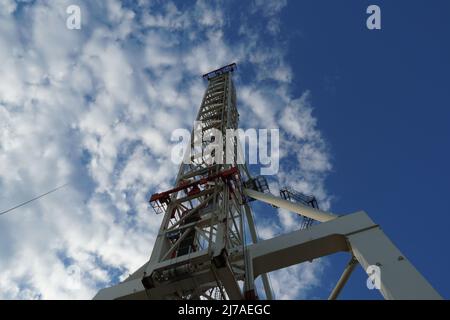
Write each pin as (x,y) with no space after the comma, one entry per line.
(96,107)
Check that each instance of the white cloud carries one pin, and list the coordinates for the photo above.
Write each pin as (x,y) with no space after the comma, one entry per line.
(96,108)
(306,275)
(271,10)
(7,6)
(269,7)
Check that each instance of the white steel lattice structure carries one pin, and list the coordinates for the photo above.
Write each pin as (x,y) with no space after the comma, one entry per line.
(201,251)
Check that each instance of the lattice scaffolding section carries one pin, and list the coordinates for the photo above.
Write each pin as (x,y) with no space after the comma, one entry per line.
(203,214)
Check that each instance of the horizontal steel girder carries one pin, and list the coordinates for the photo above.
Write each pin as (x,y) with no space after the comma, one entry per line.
(355,233)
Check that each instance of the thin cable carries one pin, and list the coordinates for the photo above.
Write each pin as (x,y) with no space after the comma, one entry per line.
(34,199)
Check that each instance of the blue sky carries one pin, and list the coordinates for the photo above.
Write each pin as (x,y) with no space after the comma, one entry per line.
(382,102)
(362,114)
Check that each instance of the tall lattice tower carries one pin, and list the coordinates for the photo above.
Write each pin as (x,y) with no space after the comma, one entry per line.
(202,251)
(203,220)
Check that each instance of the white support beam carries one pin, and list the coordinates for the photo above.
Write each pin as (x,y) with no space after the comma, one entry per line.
(308,244)
(229,282)
(254,235)
(249,281)
(306,211)
(344,278)
(398,277)
(223,270)
(356,233)
(133,290)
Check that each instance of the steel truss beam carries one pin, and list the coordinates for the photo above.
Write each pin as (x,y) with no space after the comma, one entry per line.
(354,233)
